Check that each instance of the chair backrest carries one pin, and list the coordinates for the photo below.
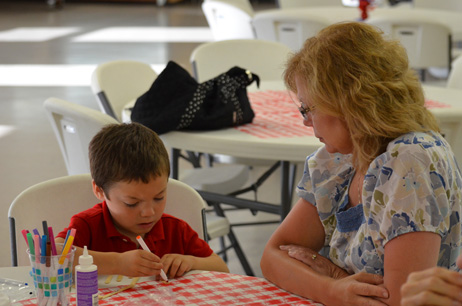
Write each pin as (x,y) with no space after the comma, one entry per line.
(455,76)
(376,3)
(74,126)
(118,82)
(228,20)
(288,27)
(57,200)
(449,5)
(264,58)
(308,3)
(427,42)
(450,121)
(245,5)
(185,203)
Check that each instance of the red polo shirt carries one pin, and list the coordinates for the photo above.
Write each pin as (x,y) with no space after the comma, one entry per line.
(169,235)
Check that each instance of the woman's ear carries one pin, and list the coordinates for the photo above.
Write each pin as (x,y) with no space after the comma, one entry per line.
(98,191)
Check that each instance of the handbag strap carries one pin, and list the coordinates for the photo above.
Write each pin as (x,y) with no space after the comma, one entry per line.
(227,85)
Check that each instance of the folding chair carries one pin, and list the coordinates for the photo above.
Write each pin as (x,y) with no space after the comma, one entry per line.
(228,19)
(288,27)
(118,82)
(74,126)
(427,42)
(57,200)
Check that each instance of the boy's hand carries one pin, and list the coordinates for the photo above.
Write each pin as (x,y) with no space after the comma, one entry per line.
(176,264)
(138,263)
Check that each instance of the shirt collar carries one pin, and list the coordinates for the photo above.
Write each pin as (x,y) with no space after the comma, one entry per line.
(157,233)
(109,223)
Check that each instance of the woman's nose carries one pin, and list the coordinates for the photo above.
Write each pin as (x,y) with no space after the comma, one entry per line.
(308,121)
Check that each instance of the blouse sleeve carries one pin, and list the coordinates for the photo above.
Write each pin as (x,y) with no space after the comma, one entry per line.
(408,192)
(324,184)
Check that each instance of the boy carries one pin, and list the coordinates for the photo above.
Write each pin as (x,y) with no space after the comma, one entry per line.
(130,168)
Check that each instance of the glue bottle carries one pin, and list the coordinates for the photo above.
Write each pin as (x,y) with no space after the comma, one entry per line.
(86,279)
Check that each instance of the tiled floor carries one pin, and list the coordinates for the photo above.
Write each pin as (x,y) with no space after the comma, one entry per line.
(46,52)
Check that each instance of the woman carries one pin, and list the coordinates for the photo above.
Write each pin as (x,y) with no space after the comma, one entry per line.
(383,191)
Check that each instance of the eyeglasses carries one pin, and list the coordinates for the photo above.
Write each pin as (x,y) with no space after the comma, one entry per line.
(305,111)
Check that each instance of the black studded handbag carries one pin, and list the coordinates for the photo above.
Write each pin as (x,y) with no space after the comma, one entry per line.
(176,101)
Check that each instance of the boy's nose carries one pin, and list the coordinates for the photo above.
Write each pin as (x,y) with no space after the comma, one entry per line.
(148,210)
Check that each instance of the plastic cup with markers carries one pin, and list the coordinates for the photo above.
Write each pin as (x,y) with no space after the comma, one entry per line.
(52,274)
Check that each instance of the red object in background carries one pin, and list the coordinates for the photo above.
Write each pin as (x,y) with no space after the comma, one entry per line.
(363,5)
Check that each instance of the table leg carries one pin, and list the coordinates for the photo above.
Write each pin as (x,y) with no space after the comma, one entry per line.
(174,163)
(285,189)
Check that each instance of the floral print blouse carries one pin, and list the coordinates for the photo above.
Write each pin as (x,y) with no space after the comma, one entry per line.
(414,186)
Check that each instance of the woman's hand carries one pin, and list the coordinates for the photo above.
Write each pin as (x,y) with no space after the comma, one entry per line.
(318,263)
(435,286)
(356,290)
(176,265)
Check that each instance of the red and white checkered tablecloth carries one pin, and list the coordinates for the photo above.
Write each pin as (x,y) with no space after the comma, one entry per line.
(277,116)
(207,288)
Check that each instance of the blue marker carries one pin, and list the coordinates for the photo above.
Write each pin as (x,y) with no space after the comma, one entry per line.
(43,250)
(67,236)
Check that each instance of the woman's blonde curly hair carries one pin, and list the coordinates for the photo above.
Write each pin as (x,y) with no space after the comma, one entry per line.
(352,72)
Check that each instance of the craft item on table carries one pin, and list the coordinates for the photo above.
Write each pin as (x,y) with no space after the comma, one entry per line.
(86,280)
(132,284)
(51,272)
(52,241)
(145,247)
(15,290)
(108,279)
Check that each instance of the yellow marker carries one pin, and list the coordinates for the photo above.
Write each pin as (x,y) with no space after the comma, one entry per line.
(67,247)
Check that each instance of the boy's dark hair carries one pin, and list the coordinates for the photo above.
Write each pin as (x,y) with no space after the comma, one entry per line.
(126,152)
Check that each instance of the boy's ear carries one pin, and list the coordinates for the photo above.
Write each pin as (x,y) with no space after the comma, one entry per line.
(99,193)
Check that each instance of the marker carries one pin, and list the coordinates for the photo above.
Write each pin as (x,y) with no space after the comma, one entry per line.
(67,246)
(43,249)
(66,249)
(36,232)
(37,248)
(67,236)
(30,240)
(52,240)
(45,229)
(145,247)
(24,234)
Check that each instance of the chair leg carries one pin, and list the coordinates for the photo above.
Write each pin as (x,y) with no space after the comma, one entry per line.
(240,254)
(234,242)
(224,255)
